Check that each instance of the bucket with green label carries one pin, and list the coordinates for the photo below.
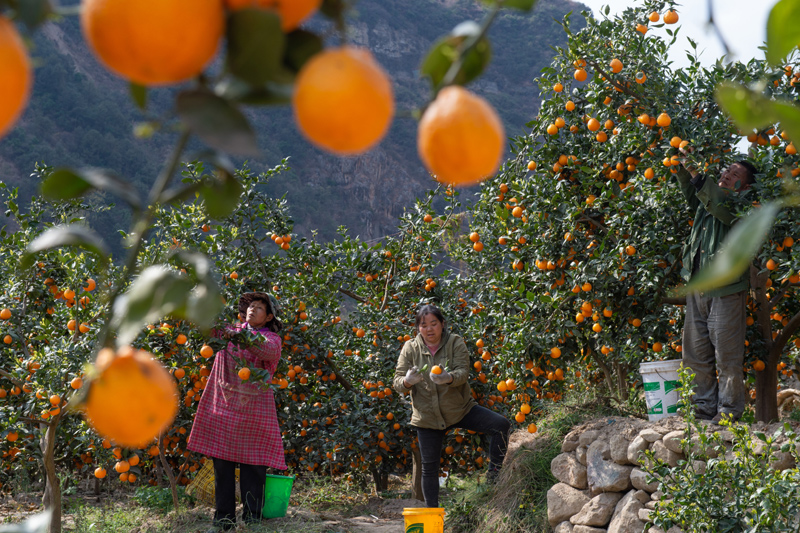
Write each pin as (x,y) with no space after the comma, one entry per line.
(660,380)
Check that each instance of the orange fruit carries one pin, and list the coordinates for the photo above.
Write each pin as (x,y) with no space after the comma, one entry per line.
(663,120)
(532,428)
(641,28)
(154,42)
(244,374)
(181,339)
(206,351)
(478,246)
(616,66)
(90,285)
(555,353)
(132,399)
(552,129)
(76,383)
(99,472)
(8,339)
(532,165)
(292,12)
(653,17)
(593,124)
(474,237)
(558,87)
(436,370)
(343,100)
(460,137)
(580,75)
(5,314)
(671,17)
(759,365)
(16,73)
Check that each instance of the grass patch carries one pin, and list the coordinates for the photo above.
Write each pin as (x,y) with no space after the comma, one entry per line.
(517,503)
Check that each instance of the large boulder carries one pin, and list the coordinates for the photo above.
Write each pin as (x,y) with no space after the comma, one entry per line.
(603,474)
(598,511)
(566,468)
(563,501)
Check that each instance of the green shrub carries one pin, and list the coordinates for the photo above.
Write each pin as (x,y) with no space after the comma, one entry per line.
(737,490)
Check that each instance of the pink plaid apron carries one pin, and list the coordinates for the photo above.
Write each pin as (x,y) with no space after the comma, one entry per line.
(237,420)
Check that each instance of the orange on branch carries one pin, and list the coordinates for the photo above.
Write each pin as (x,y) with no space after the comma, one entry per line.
(343,100)
(616,66)
(671,17)
(460,137)
(436,370)
(154,42)
(16,73)
(132,399)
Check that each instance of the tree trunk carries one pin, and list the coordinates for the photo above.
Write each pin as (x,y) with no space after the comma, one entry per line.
(52,488)
(622,383)
(381,479)
(416,475)
(767,379)
(173,485)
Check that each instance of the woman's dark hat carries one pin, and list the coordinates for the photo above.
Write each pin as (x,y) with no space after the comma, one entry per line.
(273,307)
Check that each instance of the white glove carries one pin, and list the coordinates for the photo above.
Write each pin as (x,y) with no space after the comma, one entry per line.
(412,377)
(441,379)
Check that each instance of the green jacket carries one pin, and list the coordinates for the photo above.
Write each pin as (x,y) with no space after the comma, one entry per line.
(436,406)
(713,220)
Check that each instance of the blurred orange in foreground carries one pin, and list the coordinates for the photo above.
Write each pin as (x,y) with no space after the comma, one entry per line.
(154,42)
(133,398)
(460,137)
(292,12)
(15,76)
(343,100)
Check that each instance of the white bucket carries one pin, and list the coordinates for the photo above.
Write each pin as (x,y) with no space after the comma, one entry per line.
(660,380)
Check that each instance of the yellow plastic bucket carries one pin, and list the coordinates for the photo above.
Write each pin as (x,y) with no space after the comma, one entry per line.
(424,519)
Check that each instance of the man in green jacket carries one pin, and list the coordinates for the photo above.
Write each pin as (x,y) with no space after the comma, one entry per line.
(714,325)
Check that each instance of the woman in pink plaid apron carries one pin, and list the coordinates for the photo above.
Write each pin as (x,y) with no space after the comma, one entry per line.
(236,422)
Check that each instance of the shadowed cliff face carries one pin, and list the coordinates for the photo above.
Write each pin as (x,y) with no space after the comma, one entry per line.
(81,114)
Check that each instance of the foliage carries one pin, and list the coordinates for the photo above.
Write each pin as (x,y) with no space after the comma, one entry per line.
(727,488)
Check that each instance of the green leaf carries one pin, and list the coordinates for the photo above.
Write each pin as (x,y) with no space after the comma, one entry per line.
(255,46)
(783,33)
(157,292)
(205,301)
(221,198)
(139,95)
(530,296)
(333,9)
(752,110)
(267,94)
(33,12)
(64,184)
(59,236)
(446,50)
(740,246)
(218,123)
(523,5)
(301,46)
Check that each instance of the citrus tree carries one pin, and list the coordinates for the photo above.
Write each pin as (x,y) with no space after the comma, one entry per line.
(581,233)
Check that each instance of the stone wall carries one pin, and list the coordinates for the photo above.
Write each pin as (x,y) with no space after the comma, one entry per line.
(601,485)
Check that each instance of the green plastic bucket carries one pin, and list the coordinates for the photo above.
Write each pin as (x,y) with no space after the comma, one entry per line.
(660,380)
(277,490)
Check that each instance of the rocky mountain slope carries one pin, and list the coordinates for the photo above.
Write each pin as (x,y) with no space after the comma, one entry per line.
(81,115)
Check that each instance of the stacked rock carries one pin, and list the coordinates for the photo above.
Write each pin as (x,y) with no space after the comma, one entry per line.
(602,487)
